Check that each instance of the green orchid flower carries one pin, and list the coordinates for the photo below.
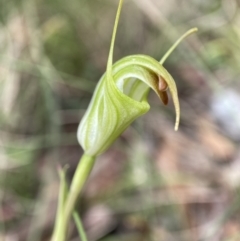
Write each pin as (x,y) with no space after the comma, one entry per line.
(121,96)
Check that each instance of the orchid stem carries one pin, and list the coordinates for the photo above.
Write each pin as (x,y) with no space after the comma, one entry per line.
(80,177)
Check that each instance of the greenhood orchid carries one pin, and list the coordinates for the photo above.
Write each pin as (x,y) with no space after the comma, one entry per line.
(121,97)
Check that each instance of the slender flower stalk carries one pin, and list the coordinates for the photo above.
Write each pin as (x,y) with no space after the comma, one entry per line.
(68,199)
(119,98)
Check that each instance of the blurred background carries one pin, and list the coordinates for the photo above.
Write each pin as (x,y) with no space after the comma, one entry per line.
(153,184)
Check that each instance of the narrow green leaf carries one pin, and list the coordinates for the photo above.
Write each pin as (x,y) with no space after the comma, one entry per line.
(79,225)
(63,190)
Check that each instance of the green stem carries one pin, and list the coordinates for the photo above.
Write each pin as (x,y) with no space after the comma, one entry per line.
(81,174)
